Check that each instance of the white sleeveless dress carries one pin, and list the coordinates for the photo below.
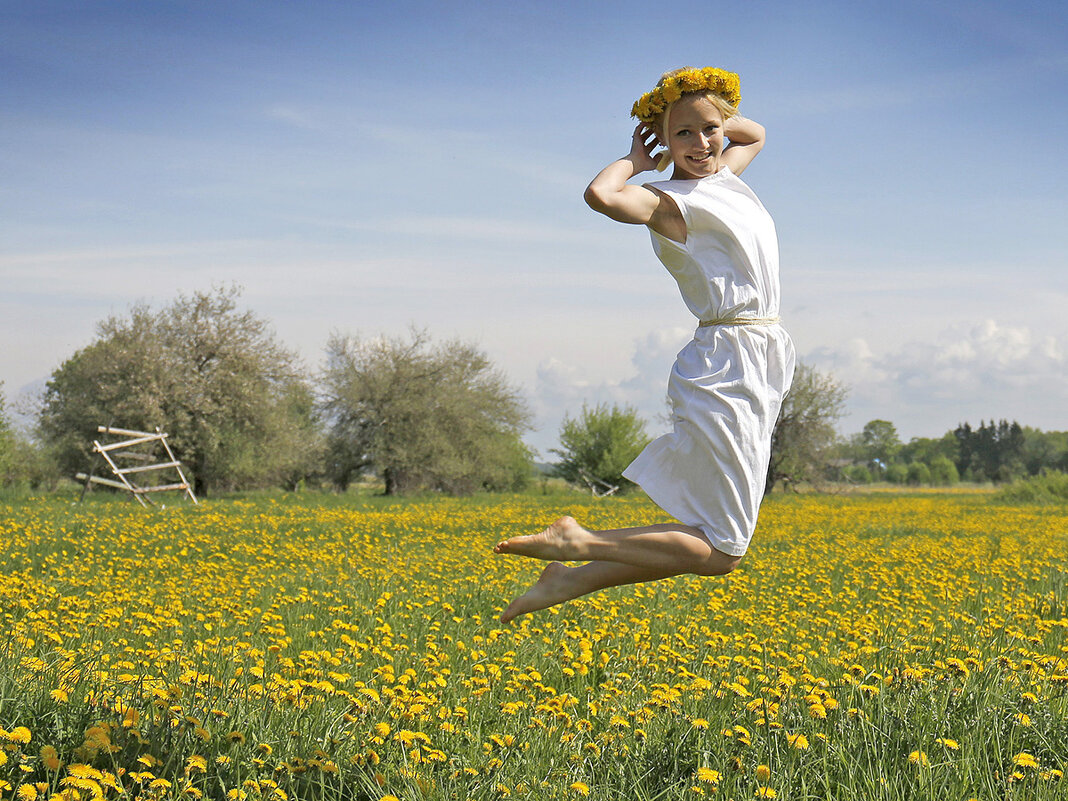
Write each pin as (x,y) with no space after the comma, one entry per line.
(727,385)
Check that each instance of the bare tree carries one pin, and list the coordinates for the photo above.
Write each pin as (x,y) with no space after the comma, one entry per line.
(239,410)
(422,416)
(804,436)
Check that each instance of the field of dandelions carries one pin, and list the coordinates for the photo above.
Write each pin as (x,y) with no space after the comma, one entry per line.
(875,646)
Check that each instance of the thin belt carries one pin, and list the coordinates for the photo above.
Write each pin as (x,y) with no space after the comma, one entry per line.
(739,321)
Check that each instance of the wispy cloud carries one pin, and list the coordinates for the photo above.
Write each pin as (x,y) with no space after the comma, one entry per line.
(474,229)
(903,90)
(295,116)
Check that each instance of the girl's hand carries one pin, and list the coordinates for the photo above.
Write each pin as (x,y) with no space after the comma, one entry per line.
(746,140)
(643,143)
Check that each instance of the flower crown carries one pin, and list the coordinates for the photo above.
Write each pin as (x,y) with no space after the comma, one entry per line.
(710,79)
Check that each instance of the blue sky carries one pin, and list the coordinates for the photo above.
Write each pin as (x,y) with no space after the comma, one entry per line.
(363,167)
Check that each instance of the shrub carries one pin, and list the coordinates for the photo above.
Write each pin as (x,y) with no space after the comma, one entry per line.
(857,474)
(918,473)
(1051,487)
(943,471)
(897,473)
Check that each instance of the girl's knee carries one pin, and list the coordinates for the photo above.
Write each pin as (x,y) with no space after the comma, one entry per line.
(719,564)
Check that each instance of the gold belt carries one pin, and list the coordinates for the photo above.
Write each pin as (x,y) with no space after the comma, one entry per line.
(739,321)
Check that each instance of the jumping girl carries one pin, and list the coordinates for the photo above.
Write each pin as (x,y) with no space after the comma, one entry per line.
(718,241)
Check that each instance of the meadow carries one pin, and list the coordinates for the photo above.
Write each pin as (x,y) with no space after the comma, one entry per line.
(871,646)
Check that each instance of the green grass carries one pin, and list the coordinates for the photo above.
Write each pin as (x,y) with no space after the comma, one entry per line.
(309,646)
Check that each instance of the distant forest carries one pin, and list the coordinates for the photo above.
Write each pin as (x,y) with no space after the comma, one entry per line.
(997,452)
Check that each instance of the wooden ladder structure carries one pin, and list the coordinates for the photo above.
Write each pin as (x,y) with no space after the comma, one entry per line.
(115,450)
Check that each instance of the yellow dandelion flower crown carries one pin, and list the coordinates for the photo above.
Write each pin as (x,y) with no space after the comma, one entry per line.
(689,79)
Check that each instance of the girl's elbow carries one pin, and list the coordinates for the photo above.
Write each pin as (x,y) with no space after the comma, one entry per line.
(594,199)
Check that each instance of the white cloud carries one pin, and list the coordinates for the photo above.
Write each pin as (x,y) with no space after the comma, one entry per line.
(980,371)
(562,387)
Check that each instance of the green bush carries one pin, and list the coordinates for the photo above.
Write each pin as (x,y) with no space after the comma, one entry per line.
(857,474)
(943,471)
(918,473)
(1051,487)
(897,473)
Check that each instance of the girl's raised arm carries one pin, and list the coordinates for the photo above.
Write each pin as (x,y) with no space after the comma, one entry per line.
(611,195)
(746,139)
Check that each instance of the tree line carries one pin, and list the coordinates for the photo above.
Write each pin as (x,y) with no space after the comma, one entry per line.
(413,415)
(994,452)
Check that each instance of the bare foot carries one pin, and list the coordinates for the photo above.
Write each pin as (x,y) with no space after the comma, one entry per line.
(565,540)
(552,587)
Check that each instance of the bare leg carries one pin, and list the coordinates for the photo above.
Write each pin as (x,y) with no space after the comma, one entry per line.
(558,584)
(669,549)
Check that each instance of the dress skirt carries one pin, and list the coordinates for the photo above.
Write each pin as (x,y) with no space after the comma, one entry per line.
(709,472)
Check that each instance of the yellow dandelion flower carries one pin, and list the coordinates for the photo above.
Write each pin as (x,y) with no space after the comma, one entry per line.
(1024,760)
(580,787)
(59,695)
(952,745)
(708,776)
(1023,720)
(699,723)
(50,758)
(763,773)
(84,772)
(196,764)
(90,786)
(919,758)
(19,734)
(765,792)
(26,792)
(671,92)
(690,80)
(798,741)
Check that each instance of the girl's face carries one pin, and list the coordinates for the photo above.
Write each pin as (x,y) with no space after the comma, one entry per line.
(694,136)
